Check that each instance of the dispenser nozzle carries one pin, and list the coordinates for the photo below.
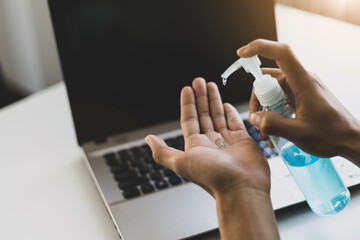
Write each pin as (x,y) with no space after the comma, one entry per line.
(250,65)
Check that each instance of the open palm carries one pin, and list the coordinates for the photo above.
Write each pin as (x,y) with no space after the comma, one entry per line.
(219,154)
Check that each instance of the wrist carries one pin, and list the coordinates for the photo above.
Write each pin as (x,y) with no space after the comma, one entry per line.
(246,214)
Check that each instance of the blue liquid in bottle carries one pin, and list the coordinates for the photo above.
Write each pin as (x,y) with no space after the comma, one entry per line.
(316,177)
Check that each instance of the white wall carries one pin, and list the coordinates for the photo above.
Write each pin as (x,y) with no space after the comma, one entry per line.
(345,10)
(27,46)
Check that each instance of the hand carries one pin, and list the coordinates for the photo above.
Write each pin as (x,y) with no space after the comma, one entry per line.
(240,164)
(236,174)
(322,126)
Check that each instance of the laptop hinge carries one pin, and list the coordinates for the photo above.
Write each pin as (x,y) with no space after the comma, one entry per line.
(114,140)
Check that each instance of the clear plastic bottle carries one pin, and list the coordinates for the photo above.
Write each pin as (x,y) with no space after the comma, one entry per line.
(316,177)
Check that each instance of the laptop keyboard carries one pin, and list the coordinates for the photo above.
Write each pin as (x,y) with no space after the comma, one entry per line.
(137,173)
(255,135)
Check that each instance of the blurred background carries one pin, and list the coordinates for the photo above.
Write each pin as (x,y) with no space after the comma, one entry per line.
(28,56)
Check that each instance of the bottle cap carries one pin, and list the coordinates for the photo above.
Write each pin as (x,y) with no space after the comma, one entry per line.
(267,90)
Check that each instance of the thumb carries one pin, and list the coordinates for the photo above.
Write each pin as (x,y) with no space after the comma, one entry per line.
(271,123)
(162,153)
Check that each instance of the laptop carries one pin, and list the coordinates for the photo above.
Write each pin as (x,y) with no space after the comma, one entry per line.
(124,64)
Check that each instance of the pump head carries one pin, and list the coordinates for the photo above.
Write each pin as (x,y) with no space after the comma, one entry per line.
(250,65)
(267,89)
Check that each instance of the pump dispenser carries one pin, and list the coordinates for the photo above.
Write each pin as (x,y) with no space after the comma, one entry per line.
(316,177)
(267,89)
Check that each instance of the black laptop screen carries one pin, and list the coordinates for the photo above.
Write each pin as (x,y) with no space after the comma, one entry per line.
(125,62)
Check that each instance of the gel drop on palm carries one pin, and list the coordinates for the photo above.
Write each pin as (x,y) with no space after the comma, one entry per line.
(316,177)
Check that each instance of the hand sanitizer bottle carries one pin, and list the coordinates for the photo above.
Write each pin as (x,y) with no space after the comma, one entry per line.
(316,177)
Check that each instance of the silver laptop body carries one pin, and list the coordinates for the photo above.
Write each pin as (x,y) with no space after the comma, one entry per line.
(184,210)
(124,64)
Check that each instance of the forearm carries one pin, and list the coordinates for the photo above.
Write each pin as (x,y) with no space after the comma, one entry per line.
(352,146)
(246,214)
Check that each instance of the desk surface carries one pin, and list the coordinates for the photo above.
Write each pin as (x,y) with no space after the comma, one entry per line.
(46,192)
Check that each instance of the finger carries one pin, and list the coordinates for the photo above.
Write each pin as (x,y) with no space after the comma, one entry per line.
(233,118)
(254,104)
(189,119)
(278,75)
(172,158)
(202,105)
(284,57)
(216,107)
(274,72)
(162,154)
(274,124)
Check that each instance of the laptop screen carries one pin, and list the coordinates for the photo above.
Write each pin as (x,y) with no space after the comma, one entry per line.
(125,62)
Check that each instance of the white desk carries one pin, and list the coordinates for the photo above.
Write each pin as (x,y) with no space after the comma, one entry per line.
(46,192)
